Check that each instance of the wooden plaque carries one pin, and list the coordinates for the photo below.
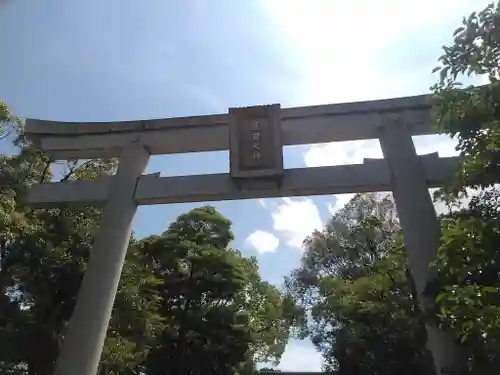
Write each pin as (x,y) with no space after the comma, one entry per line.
(255,147)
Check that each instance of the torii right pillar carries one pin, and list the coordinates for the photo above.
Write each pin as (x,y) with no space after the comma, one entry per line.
(421,230)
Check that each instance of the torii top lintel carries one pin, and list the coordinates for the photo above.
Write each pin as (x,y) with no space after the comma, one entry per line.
(300,125)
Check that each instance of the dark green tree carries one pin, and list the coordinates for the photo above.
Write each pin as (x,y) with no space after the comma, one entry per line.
(220,317)
(468,283)
(356,287)
(468,264)
(43,255)
(472,114)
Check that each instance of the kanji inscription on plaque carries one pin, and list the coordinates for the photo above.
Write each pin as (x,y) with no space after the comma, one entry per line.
(256,148)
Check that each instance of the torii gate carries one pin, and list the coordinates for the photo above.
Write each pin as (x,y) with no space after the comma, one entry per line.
(255,137)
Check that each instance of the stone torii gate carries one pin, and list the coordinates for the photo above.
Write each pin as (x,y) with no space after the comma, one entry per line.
(255,137)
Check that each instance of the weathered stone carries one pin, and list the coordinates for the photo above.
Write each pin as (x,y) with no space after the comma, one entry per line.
(256,147)
(255,139)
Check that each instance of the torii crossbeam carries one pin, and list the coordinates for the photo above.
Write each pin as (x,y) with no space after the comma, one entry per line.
(255,137)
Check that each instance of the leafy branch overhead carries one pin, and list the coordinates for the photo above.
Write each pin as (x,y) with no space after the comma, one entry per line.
(472,114)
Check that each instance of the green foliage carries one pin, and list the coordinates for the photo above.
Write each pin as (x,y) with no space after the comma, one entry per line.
(43,254)
(220,316)
(472,114)
(355,284)
(203,331)
(468,267)
(186,302)
(468,264)
(9,124)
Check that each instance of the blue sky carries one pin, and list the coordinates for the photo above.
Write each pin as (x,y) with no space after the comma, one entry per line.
(79,60)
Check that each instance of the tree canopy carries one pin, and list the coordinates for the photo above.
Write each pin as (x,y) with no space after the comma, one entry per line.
(471,114)
(355,281)
(220,317)
(189,303)
(354,285)
(186,303)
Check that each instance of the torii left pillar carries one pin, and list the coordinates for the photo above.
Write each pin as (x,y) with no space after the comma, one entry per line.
(84,340)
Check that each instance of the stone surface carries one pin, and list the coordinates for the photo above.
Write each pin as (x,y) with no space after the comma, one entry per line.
(373,175)
(255,147)
(421,231)
(255,137)
(81,349)
(300,125)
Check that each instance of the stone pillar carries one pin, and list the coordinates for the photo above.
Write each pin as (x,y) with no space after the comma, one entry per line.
(421,231)
(82,346)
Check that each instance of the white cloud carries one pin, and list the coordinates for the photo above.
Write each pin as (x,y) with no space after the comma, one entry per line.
(339,153)
(340,201)
(262,241)
(353,152)
(347,51)
(342,48)
(295,219)
(351,51)
(341,51)
(300,358)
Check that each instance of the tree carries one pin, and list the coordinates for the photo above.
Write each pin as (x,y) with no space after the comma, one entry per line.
(220,316)
(356,284)
(468,263)
(270,315)
(43,255)
(468,267)
(472,114)
(8,122)
(204,331)
(186,302)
